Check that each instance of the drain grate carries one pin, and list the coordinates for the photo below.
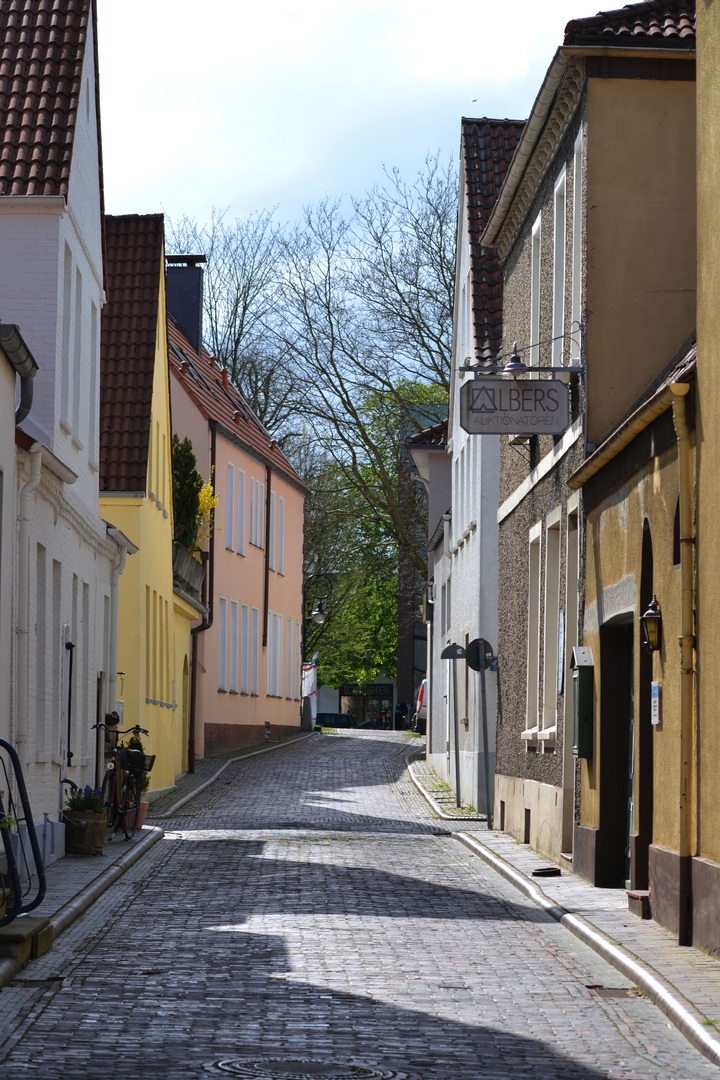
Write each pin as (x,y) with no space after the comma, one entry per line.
(615,991)
(276,1069)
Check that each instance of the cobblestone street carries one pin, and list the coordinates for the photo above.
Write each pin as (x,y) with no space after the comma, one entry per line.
(307,915)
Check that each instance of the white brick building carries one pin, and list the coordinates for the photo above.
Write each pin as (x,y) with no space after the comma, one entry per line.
(51,287)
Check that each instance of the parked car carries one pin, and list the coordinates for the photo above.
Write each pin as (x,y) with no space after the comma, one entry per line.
(335,719)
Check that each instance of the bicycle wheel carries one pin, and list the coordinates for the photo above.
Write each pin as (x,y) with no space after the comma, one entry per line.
(108,794)
(131,804)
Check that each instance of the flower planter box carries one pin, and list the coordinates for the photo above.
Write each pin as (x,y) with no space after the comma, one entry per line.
(84,832)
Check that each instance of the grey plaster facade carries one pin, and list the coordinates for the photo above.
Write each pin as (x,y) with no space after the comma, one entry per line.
(540,522)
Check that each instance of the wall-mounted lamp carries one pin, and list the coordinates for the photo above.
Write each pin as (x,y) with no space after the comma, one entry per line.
(651,625)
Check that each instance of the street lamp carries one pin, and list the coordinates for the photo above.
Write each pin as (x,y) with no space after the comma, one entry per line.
(651,624)
(317,587)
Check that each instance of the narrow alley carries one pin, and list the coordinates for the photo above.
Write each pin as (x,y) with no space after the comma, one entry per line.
(308,916)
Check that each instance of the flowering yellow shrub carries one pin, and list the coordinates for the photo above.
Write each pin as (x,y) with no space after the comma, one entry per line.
(208,502)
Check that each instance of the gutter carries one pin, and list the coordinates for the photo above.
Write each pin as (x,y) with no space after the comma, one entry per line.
(18,354)
(625,434)
(526,146)
(541,110)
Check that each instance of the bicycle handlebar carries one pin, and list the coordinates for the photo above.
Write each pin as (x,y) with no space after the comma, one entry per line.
(121,731)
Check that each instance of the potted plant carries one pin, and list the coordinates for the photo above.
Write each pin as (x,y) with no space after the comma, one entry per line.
(136,743)
(85,821)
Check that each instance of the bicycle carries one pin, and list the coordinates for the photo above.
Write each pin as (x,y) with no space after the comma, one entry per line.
(122,783)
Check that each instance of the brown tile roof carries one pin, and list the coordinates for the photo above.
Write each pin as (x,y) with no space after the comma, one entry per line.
(661,23)
(488,147)
(127,348)
(208,386)
(42,45)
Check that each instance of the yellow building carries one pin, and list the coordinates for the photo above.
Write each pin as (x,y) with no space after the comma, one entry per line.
(156,604)
(704,839)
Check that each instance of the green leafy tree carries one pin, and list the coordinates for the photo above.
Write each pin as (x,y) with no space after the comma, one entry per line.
(187,483)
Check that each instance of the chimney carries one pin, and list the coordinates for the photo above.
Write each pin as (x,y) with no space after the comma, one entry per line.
(185,295)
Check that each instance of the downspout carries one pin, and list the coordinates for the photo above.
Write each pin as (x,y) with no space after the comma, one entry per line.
(117,570)
(268,542)
(207,621)
(688,779)
(23,627)
(18,354)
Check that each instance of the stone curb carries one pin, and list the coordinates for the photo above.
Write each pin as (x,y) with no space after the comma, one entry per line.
(689,1021)
(206,783)
(68,913)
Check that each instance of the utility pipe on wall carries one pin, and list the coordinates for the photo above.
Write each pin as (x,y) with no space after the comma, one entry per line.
(126,548)
(23,624)
(688,779)
(207,621)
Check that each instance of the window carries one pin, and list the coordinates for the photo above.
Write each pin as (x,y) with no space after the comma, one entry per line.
(244,649)
(94,372)
(289,658)
(271,537)
(297,663)
(274,657)
(222,643)
(67,311)
(535,294)
(240,512)
(77,358)
(281,538)
(533,654)
(233,647)
(230,508)
(551,677)
(257,512)
(558,321)
(255,652)
(577,212)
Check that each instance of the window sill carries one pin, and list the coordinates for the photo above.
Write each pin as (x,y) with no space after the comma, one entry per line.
(530,735)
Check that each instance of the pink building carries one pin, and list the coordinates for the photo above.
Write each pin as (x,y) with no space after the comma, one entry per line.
(248,664)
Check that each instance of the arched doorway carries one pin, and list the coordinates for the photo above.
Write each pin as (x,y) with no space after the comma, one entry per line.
(641,841)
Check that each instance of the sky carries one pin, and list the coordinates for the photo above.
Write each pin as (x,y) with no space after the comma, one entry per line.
(246,107)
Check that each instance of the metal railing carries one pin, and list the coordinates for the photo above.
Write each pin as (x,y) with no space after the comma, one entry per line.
(24,873)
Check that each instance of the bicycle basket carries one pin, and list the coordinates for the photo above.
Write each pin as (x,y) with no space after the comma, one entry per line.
(149,762)
(130,759)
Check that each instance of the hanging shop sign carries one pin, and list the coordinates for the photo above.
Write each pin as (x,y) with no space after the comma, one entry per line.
(379,690)
(514,407)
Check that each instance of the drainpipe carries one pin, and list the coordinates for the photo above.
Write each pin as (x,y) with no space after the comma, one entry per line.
(207,621)
(688,780)
(266,569)
(23,626)
(18,354)
(126,548)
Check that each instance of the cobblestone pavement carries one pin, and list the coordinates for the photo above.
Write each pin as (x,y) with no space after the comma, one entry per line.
(307,916)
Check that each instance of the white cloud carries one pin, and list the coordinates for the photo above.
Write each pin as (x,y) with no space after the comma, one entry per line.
(245,105)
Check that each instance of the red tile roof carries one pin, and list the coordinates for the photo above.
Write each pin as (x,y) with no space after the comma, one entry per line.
(134,259)
(663,23)
(42,46)
(208,386)
(488,147)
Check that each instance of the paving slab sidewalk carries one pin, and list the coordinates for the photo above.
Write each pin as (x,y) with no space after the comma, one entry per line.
(684,982)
